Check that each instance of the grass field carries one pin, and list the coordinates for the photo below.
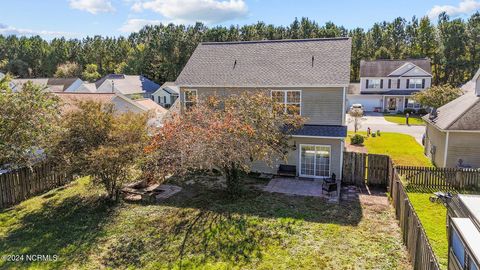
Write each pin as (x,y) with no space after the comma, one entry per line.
(433,217)
(200,228)
(402,148)
(400,119)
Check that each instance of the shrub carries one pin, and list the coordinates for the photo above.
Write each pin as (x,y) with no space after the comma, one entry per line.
(374,135)
(378,133)
(357,139)
(422,111)
(409,111)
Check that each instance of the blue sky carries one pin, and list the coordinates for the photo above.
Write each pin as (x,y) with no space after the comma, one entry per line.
(79,18)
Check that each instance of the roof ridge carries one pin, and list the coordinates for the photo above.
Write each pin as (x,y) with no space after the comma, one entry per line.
(391,60)
(273,41)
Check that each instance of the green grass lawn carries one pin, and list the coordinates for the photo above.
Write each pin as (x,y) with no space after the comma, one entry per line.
(402,148)
(433,217)
(200,228)
(400,119)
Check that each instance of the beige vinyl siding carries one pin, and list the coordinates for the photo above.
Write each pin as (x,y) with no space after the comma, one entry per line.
(436,138)
(321,106)
(463,145)
(293,156)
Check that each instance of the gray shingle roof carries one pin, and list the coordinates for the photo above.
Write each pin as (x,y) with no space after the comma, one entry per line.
(382,68)
(128,84)
(309,62)
(462,113)
(322,130)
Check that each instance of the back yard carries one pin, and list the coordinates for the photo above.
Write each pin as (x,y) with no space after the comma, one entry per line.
(199,227)
(404,150)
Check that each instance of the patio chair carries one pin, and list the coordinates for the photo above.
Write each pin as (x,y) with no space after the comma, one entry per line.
(330,185)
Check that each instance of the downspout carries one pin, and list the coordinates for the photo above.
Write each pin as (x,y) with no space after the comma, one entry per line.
(446,150)
(343,106)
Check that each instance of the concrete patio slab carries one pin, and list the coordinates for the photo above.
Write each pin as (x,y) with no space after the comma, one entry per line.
(292,186)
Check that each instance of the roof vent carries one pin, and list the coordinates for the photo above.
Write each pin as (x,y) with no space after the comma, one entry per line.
(313,59)
(235,64)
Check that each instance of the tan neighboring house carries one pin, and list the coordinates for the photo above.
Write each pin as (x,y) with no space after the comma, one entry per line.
(121,104)
(51,84)
(453,131)
(312,74)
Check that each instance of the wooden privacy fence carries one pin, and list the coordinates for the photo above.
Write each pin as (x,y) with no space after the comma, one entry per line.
(441,178)
(361,168)
(21,184)
(413,234)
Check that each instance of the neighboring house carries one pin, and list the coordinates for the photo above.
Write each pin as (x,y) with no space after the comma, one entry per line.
(166,94)
(312,74)
(463,231)
(85,87)
(453,131)
(121,104)
(51,84)
(387,85)
(127,85)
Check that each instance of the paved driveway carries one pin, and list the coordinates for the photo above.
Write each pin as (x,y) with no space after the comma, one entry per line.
(376,122)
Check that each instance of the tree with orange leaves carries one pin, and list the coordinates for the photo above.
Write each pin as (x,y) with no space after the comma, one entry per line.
(224,134)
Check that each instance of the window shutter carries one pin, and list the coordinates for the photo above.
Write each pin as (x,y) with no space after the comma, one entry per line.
(398,83)
(381,83)
(366,84)
(408,82)
(389,83)
(423,83)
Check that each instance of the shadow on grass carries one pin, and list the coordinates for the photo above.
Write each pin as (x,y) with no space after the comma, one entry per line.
(67,228)
(269,205)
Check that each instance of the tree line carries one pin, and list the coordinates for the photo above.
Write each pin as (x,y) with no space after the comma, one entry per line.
(160,52)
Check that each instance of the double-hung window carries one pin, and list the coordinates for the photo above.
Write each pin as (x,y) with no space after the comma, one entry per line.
(373,83)
(287,101)
(190,98)
(415,83)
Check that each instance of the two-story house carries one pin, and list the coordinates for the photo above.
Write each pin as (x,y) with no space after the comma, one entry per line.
(311,74)
(387,85)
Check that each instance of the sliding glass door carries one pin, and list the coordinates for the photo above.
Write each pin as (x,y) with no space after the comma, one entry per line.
(315,160)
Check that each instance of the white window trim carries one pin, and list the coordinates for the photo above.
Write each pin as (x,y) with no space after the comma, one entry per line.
(414,85)
(300,161)
(371,80)
(285,102)
(185,96)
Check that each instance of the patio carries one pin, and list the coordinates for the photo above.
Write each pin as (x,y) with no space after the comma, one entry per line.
(313,188)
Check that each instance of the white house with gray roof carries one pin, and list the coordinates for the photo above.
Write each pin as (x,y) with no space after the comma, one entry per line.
(453,130)
(311,74)
(166,94)
(127,85)
(387,85)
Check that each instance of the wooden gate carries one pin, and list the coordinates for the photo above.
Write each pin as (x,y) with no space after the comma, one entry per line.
(371,169)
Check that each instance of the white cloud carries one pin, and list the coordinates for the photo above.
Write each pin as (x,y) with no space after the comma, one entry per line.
(191,11)
(137,7)
(92,6)
(10,30)
(133,25)
(463,8)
